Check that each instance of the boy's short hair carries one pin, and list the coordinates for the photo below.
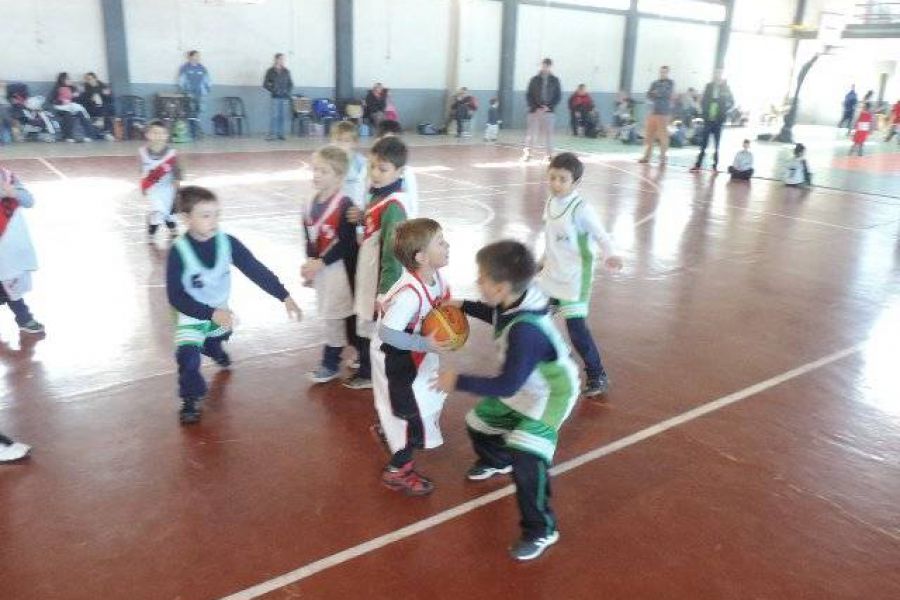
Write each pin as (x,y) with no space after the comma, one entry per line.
(799,149)
(336,157)
(278,55)
(389,126)
(412,237)
(548,62)
(156,123)
(746,142)
(507,261)
(391,149)
(345,128)
(569,162)
(192,53)
(190,196)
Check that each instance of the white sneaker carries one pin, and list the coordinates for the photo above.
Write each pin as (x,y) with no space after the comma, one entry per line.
(87,140)
(70,140)
(13,452)
(109,137)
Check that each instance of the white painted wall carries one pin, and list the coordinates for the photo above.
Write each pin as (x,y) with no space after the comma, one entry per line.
(401,43)
(43,38)
(586,47)
(479,44)
(758,69)
(688,48)
(236,41)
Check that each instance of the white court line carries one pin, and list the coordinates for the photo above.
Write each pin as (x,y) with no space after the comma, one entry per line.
(47,164)
(374,544)
(476,186)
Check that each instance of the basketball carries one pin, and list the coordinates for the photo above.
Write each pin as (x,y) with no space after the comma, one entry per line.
(447,323)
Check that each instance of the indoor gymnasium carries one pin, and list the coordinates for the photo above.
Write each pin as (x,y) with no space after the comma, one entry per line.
(449,299)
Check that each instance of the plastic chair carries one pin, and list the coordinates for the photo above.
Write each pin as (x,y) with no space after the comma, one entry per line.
(237,115)
(302,115)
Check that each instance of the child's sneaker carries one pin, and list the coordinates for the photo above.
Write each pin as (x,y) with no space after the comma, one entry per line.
(190,411)
(481,471)
(530,549)
(223,360)
(13,452)
(32,326)
(358,383)
(323,374)
(596,387)
(406,480)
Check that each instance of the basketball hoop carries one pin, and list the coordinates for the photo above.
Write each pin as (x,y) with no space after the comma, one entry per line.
(831,30)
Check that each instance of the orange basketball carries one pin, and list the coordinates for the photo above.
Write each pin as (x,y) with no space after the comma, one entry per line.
(447,323)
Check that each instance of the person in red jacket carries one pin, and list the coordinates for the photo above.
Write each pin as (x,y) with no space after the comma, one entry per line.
(862,130)
(894,127)
(581,107)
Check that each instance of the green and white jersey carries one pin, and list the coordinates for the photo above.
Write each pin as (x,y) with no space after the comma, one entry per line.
(551,390)
(573,232)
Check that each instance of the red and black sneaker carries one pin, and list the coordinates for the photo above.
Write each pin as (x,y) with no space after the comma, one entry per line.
(406,480)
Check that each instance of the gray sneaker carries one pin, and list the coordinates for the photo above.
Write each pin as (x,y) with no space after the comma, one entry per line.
(596,387)
(32,326)
(323,374)
(358,383)
(531,549)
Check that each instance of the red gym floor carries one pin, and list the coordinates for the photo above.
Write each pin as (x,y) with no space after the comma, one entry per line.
(749,448)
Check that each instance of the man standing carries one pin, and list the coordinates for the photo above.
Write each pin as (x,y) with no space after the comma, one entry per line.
(849,108)
(193,79)
(544,93)
(278,83)
(717,101)
(660,95)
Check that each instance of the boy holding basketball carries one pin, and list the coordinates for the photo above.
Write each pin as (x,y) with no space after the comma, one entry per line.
(404,362)
(515,426)
(573,233)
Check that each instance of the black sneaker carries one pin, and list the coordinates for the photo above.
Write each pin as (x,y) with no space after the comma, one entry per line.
(531,549)
(596,386)
(190,411)
(223,360)
(32,326)
(480,471)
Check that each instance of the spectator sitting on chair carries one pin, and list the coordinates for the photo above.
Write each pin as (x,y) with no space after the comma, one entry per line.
(68,111)
(97,100)
(193,80)
(581,106)
(464,104)
(278,82)
(375,104)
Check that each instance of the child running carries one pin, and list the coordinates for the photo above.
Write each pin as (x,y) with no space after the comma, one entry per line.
(17,256)
(515,427)
(404,363)
(160,174)
(572,232)
(198,285)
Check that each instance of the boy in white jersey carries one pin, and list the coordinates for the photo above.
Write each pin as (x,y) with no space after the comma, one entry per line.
(404,363)
(573,232)
(198,286)
(160,174)
(345,135)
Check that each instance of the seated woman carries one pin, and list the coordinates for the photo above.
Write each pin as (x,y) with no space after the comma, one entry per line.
(581,108)
(27,111)
(68,111)
(375,105)
(97,100)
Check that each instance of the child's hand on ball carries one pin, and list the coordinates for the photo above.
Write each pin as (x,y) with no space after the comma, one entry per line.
(441,347)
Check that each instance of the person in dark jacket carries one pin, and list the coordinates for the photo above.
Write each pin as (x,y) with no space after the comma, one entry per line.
(97,99)
(717,101)
(461,109)
(375,104)
(279,84)
(544,93)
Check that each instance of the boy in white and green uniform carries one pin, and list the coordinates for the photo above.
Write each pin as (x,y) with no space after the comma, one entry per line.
(198,285)
(573,233)
(515,427)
